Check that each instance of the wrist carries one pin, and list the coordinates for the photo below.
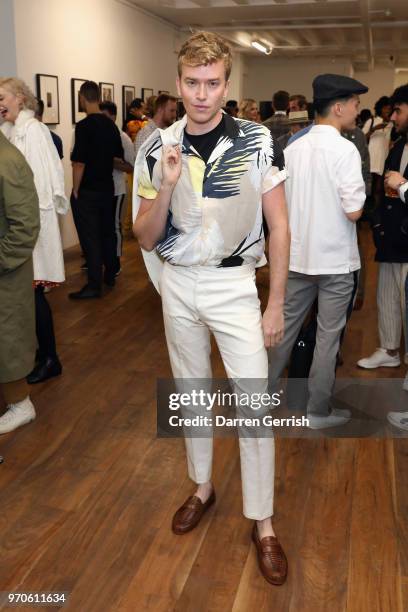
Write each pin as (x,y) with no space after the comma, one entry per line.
(274,304)
(167,186)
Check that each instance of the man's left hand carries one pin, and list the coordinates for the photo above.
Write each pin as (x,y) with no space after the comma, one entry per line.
(394,179)
(273,325)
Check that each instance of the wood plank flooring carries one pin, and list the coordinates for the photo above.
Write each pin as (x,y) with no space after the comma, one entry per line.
(87,491)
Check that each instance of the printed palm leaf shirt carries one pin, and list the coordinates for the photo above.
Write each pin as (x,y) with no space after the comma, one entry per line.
(215,215)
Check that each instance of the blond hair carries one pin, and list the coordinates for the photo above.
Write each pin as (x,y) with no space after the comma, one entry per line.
(18,87)
(244,107)
(204,48)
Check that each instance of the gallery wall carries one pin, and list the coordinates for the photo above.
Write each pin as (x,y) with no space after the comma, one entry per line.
(8,59)
(101,40)
(263,76)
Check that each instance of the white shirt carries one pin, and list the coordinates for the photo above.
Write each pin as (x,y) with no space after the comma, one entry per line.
(379,144)
(325,182)
(119,177)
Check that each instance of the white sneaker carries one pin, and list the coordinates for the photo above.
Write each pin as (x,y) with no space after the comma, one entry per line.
(334,419)
(379,359)
(398,419)
(17,415)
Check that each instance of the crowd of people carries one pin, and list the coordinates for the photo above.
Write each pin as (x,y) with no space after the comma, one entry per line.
(210,181)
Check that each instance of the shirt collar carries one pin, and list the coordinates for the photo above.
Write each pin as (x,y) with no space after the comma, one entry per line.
(279,113)
(321,129)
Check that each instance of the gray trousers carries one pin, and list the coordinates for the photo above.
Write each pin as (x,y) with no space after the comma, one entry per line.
(334,294)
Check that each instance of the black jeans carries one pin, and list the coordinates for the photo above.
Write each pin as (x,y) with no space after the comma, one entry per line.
(94,220)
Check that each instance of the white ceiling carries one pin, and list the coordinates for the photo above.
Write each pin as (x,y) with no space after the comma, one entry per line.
(369,32)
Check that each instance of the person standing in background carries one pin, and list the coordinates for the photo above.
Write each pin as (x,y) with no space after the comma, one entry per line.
(297,103)
(231,108)
(97,144)
(135,119)
(56,139)
(248,109)
(19,228)
(165,112)
(33,139)
(278,124)
(325,194)
(378,133)
(121,167)
(298,120)
(391,240)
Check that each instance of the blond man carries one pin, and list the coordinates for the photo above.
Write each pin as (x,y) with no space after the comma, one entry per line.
(199,197)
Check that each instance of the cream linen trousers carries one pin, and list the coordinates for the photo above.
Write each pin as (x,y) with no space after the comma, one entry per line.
(198,300)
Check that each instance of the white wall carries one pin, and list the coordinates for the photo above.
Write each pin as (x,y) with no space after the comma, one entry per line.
(401,78)
(8,61)
(236,86)
(100,40)
(380,82)
(265,75)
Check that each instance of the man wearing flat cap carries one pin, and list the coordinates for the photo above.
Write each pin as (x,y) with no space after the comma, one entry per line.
(325,194)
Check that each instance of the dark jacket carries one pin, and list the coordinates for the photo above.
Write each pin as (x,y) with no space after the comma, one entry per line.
(19,227)
(391,223)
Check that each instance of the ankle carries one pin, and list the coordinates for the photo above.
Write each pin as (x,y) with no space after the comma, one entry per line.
(204,491)
(265,528)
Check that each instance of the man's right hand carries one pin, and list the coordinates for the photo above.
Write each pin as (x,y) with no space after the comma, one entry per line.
(171,165)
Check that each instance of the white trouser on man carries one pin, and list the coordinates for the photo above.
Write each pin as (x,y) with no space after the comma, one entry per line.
(198,300)
(391,304)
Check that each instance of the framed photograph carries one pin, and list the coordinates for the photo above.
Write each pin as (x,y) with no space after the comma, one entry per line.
(128,94)
(78,112)
(146,93)
(163,91)
(107,92)
(47,91)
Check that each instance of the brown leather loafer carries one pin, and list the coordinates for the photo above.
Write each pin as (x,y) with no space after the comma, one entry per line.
(271,558)
(189,514)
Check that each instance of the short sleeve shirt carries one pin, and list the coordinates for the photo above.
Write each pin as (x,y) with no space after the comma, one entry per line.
(97,143)
(325,183)
(215,215)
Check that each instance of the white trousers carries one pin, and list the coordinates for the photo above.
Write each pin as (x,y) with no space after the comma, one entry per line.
(199,300)
(391,304)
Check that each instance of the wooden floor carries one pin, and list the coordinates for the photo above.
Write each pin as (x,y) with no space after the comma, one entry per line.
(87,491)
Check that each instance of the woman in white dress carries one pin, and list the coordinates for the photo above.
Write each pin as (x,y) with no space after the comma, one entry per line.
(33,139)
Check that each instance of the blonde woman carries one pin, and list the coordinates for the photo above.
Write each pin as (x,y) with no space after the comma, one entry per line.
(248,109)
(33,139)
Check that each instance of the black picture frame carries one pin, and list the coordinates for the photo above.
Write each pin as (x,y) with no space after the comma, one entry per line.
(48,92)
(146,93)
(107,92)
(128,94)
(77,112)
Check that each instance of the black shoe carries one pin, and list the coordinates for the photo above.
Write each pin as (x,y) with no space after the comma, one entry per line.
(86,293)
(110,282)
(42,371)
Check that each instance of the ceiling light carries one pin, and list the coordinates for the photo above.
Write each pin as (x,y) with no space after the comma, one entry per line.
(262,47)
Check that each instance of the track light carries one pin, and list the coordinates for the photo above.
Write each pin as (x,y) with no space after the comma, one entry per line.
(262,47)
